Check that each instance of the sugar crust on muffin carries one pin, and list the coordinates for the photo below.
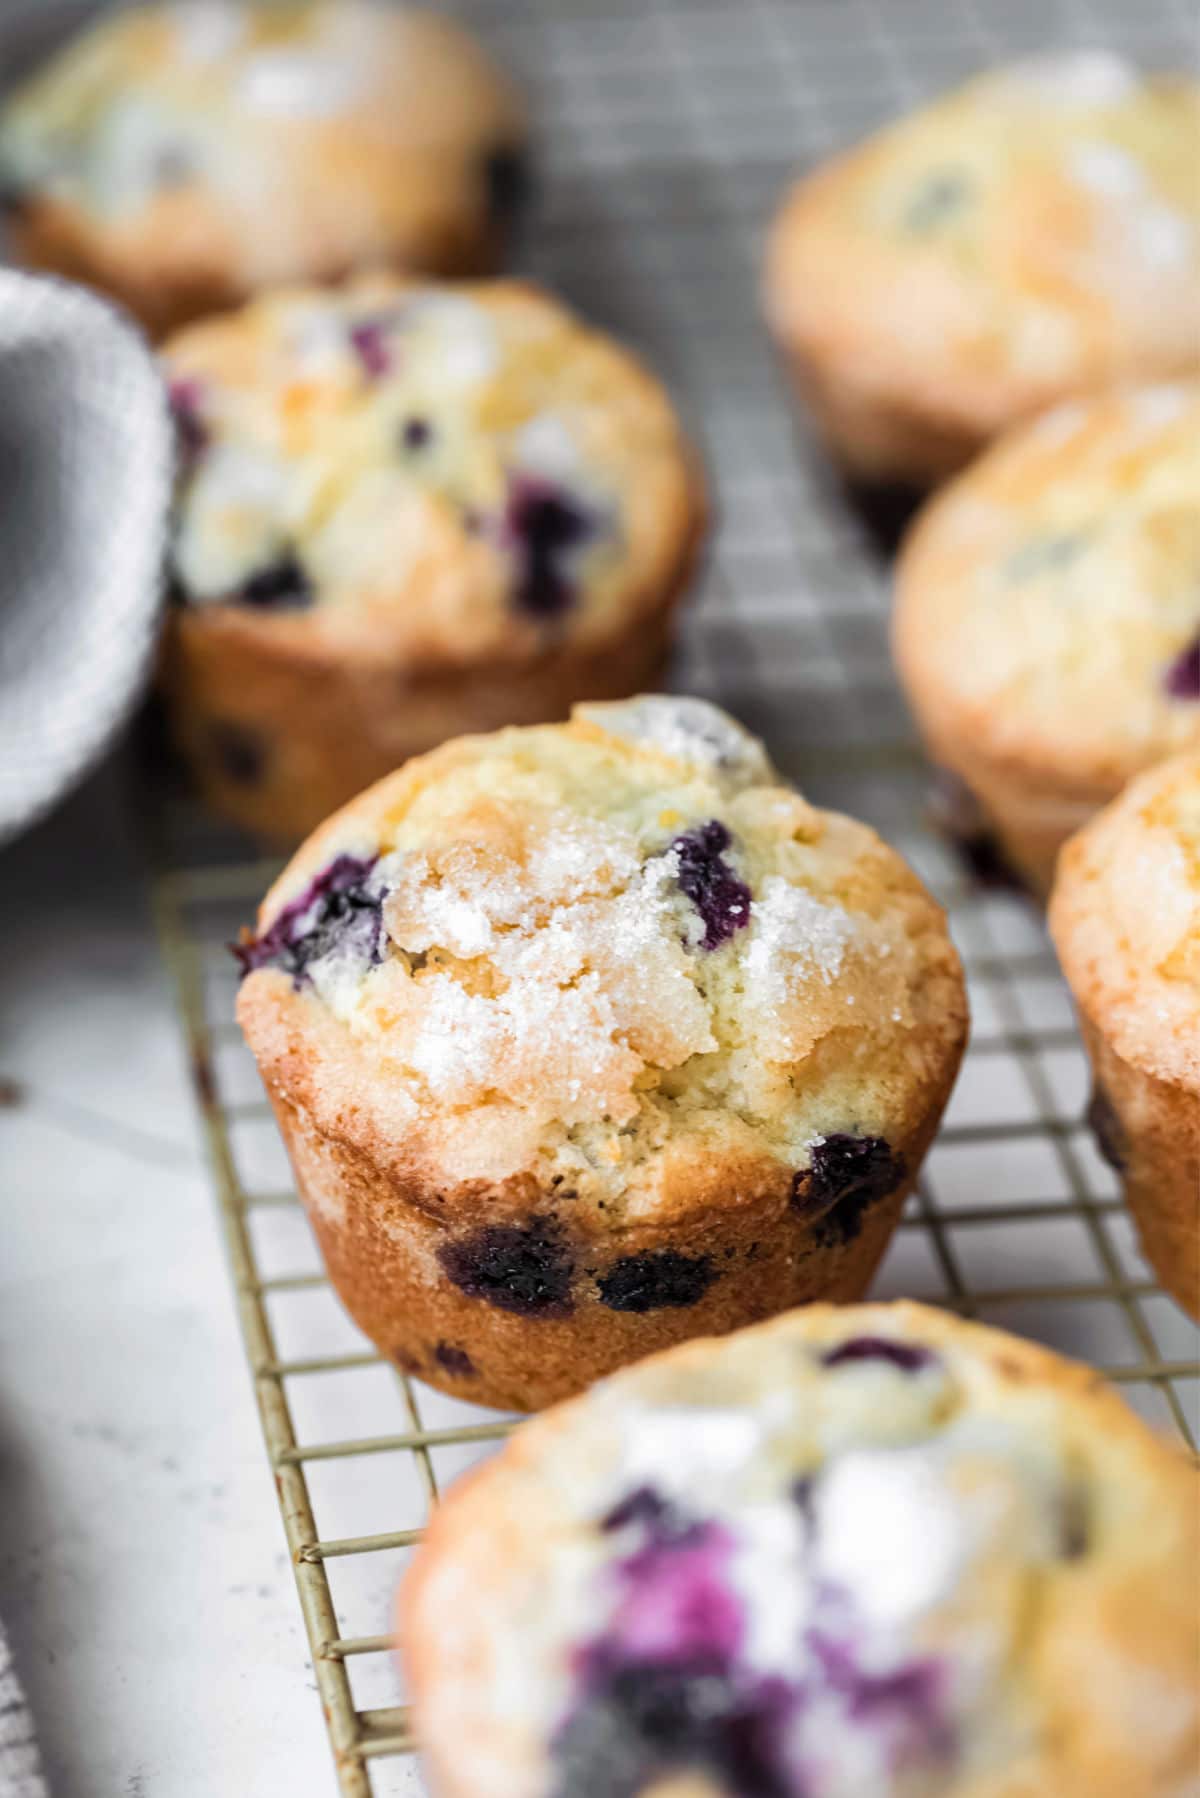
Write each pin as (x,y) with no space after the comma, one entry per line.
(604,953)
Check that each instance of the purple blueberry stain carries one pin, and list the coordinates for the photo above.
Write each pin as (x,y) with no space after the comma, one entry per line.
(906,1706)
(1182,679)
(544,527)
(654,1282)
(666,1689)
(907,1357)
(454,1360)
(721,898)
(526,1269)
(281,586)
(846,1175)
(341,909)
(370,342)
(186,399)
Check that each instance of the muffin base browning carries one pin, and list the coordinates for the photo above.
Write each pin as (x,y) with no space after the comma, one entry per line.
(873,438)
(752,1253)
(193,272)
(1030,815)
(277,741)
(1157,1142)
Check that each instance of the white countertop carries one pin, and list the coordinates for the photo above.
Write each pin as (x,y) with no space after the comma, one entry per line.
(144,1580)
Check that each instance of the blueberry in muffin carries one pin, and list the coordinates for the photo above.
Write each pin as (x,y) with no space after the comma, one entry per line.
(587,1038)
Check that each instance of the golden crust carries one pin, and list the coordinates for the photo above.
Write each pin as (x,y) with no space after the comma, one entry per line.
(1103,1674)
(1125,917)
(917,332)
(385,162)
(279,737)
(619,1120)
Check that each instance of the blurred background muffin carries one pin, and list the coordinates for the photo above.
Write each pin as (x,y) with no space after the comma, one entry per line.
(179,157)
(1125,916)
(1034,234)
(859,1552)
(1047,619)
(404,513)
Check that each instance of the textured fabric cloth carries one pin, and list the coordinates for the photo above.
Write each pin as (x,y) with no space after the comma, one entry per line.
(85,476)
(20,1769)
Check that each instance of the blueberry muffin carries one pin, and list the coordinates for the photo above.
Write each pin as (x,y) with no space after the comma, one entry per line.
(587,1038)
(1047,623)
(870,1552)
(182,156)
(1034,234)
(1125,916)
(407,512)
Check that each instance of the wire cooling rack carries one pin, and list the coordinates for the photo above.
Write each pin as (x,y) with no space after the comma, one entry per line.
(668,132)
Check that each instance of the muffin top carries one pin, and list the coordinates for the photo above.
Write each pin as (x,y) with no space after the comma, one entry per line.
(1125,915)
(425,472)
(1035,232)
(290,137)
(615,957)
(857,1552)
(1049,598)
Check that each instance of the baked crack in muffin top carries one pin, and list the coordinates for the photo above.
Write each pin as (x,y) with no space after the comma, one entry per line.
(427,473)
(615,958)
(855,1553)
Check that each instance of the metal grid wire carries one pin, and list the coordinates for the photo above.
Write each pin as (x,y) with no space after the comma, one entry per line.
(668,131)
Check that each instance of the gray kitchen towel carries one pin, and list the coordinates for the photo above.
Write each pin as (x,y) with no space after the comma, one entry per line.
(85,478)
(20,1768)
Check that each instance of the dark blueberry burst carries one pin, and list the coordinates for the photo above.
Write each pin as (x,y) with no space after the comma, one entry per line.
(1183,676)
(1107,1129)
(526,1269)
(655,1282)
(342,909)
(281,586)
(722,900)
(845,1176)
(545,527)
(644,1724)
